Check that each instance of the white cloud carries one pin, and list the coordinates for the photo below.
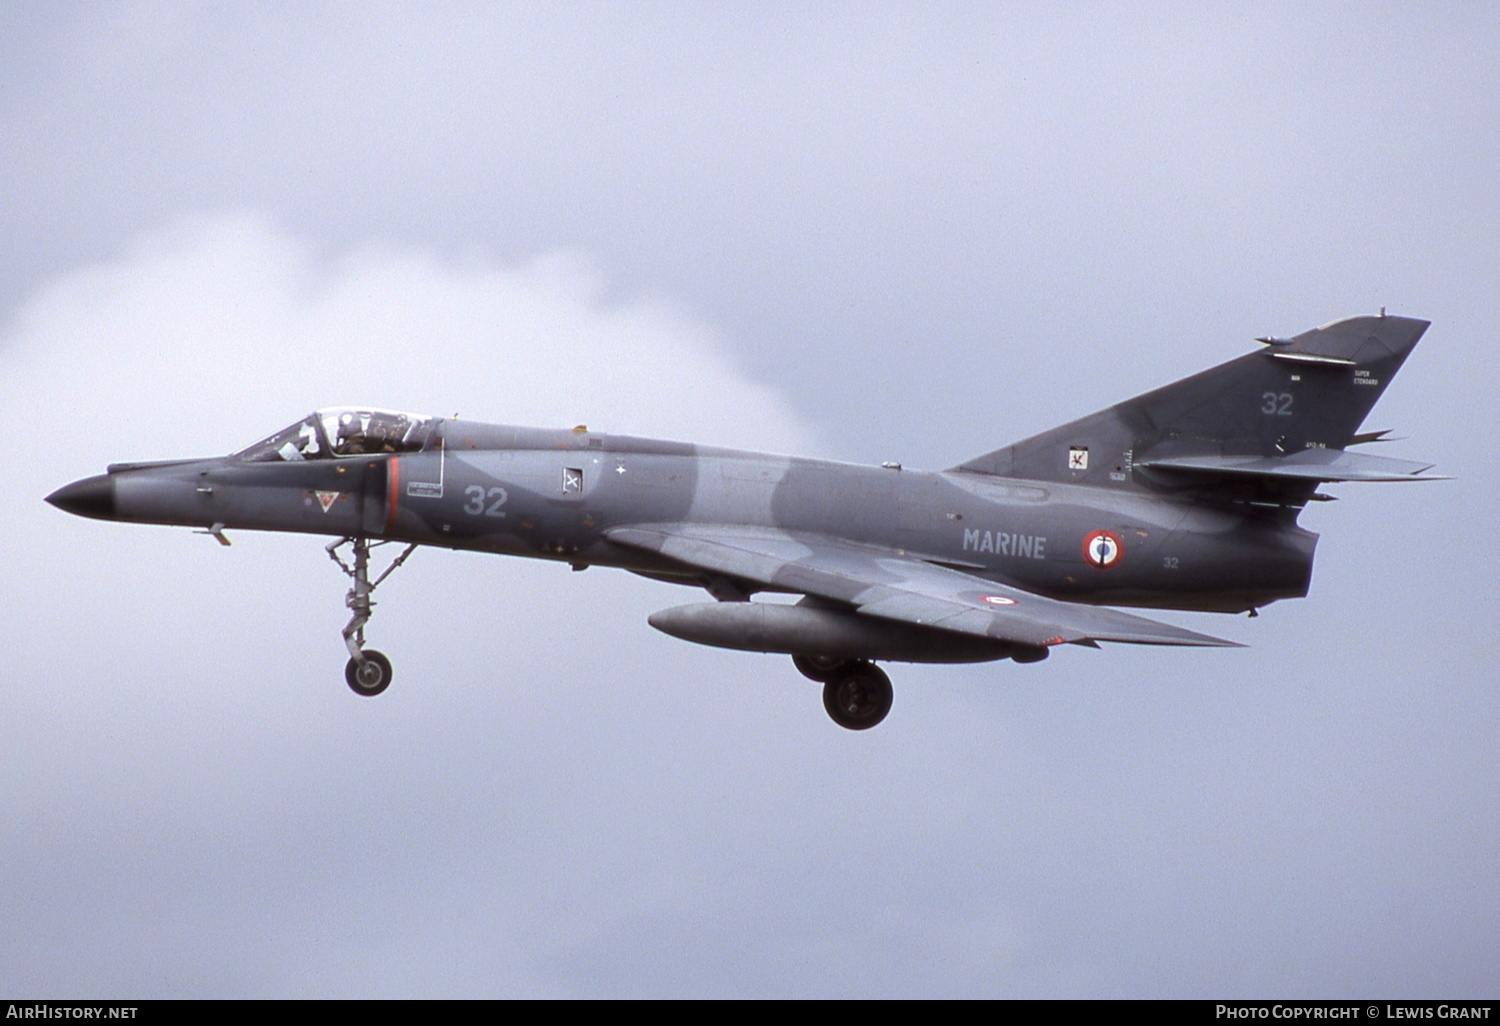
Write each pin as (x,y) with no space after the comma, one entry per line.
(208,335)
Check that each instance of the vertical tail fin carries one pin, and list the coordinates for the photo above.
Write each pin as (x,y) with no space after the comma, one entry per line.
(1308,392)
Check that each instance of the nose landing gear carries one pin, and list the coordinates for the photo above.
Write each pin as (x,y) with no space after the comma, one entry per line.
(368,672)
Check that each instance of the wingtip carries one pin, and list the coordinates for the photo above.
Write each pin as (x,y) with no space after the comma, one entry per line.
(1212,641)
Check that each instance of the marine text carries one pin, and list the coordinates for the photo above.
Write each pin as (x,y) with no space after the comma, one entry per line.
(1003,543)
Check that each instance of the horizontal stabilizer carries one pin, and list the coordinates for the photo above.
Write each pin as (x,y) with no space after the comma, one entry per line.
(1366,437)
(1309,465)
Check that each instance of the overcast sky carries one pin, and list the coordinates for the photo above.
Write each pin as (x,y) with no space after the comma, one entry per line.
(863,231)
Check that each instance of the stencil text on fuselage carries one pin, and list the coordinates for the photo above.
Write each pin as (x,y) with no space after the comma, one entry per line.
(1003,543)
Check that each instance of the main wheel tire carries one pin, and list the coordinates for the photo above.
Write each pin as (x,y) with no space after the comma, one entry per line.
(819,668)
(371,677)
(858,697)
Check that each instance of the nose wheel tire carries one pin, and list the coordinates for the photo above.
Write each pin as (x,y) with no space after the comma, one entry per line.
(858,697)
(371,677)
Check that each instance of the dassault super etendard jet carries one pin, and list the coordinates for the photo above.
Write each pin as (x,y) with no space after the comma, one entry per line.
(1183,498)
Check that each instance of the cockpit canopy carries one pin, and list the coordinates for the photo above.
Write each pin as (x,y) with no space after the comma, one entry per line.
(343,431)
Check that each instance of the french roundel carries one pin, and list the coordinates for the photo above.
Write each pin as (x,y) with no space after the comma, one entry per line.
(1102,549)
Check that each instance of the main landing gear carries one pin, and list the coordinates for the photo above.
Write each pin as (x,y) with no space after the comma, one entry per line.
(857,694)
(368,672)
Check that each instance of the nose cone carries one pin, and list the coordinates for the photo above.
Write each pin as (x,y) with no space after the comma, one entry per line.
(91,497)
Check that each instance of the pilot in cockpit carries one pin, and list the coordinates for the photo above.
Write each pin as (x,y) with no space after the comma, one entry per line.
(351,439)
(381,436)
(340,432)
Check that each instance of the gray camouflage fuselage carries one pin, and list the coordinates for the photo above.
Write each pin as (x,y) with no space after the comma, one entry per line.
(502,489)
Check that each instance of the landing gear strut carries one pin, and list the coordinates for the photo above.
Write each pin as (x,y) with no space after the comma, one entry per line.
(368,672)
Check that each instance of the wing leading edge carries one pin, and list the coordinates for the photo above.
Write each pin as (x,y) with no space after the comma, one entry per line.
(896,586)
